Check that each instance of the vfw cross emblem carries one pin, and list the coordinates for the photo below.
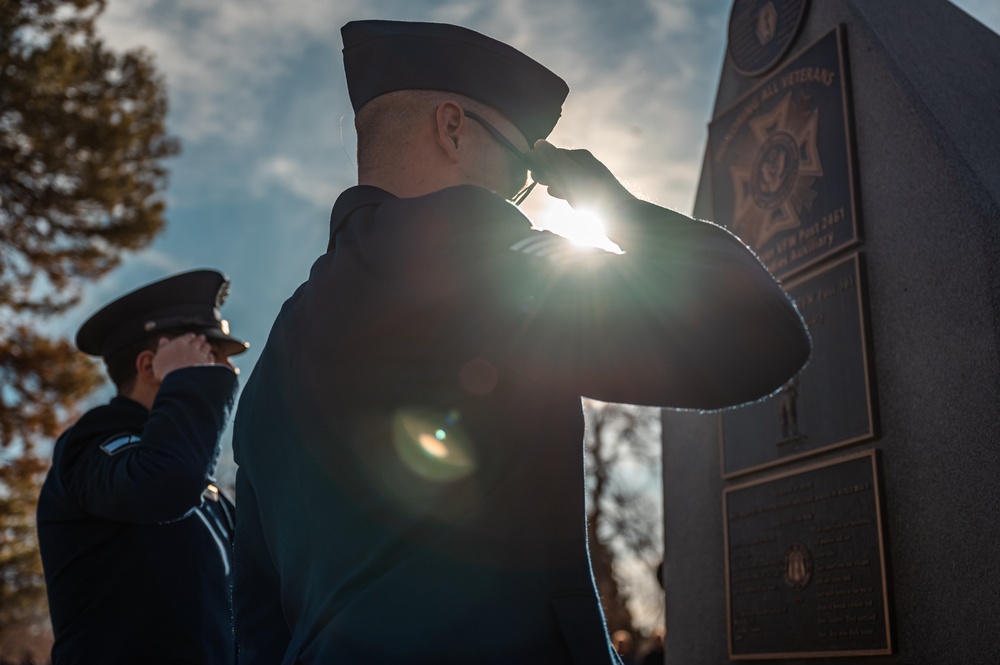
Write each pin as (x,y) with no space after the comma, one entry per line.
(774,169)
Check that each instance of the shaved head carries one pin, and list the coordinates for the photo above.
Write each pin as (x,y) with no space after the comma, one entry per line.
(390,125)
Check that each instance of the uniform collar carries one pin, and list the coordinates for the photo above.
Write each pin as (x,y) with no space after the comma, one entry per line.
(121,414)
(127,403)
(352,199)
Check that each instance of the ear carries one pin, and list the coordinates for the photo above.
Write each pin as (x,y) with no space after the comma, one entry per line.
(144,366)
(451,127)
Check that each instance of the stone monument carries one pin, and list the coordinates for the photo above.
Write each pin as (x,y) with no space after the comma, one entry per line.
(855,146)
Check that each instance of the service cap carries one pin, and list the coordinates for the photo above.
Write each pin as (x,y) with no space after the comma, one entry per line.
(187,302)
(386,56)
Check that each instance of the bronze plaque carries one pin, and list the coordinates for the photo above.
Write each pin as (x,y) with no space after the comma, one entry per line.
(830,403)
(760,32)
(805,563)
(781,162)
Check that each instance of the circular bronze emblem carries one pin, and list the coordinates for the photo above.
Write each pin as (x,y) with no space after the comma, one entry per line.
(775,170)
(798,567)
(760,32)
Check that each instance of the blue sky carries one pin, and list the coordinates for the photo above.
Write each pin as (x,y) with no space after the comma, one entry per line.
(259,102)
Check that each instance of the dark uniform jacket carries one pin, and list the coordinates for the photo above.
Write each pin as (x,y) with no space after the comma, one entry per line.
(137,556)
(411,483)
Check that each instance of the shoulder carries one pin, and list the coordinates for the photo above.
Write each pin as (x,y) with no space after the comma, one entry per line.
(112,427)
(121,415)
(428,234)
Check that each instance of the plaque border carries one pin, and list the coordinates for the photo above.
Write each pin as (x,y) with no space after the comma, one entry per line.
(849,137)
(866,357)
(764,69)
(874,455)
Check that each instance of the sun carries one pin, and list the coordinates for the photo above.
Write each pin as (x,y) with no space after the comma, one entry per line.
(584,228)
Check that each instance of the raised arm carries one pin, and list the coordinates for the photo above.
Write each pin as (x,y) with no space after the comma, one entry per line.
(687,317)
(160,473)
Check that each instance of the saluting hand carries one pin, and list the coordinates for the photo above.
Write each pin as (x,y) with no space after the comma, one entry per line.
(576,176)
(179,352)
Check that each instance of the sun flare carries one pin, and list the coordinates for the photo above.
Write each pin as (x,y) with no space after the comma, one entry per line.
(582,227)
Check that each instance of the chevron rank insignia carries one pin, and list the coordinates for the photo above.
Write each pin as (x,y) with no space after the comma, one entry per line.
(120,442)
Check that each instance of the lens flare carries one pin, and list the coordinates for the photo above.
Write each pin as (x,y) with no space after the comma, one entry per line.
(433,444)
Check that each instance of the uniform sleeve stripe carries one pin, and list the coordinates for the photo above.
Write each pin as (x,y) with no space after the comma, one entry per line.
(225,511)
(116,444)
(524,243)
(547,246)
(215,536)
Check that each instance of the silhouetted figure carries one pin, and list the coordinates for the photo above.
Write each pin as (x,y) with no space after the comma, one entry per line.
(788,404)
(411,482)
(136,540)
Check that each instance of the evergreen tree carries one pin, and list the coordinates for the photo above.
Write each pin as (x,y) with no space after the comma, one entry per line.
(82,144)
(22,587)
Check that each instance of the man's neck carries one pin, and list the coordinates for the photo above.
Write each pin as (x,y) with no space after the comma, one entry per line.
(143,393)
(410,183)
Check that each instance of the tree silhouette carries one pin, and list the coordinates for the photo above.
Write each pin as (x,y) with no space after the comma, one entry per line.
(624,518)
(82,141)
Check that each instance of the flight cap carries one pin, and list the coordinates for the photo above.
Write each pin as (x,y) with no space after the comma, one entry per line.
(386,56)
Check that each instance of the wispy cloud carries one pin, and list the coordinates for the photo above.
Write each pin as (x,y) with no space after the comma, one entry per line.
(221,58)
(236,70)
(289,173)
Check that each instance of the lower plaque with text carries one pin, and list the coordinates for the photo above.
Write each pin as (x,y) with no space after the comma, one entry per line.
(805,563)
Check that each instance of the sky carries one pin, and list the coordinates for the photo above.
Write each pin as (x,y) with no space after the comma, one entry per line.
(259,102)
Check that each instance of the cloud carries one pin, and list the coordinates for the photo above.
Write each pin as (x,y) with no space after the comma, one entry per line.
(157,260)
(287,172)
(221,58)
(263,76)
(233,50)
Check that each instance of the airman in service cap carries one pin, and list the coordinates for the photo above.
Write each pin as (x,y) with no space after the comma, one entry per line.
(386,56)
(188,302)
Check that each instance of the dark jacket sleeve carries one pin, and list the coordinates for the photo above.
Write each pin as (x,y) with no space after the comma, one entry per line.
(686,317)
(163,475)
